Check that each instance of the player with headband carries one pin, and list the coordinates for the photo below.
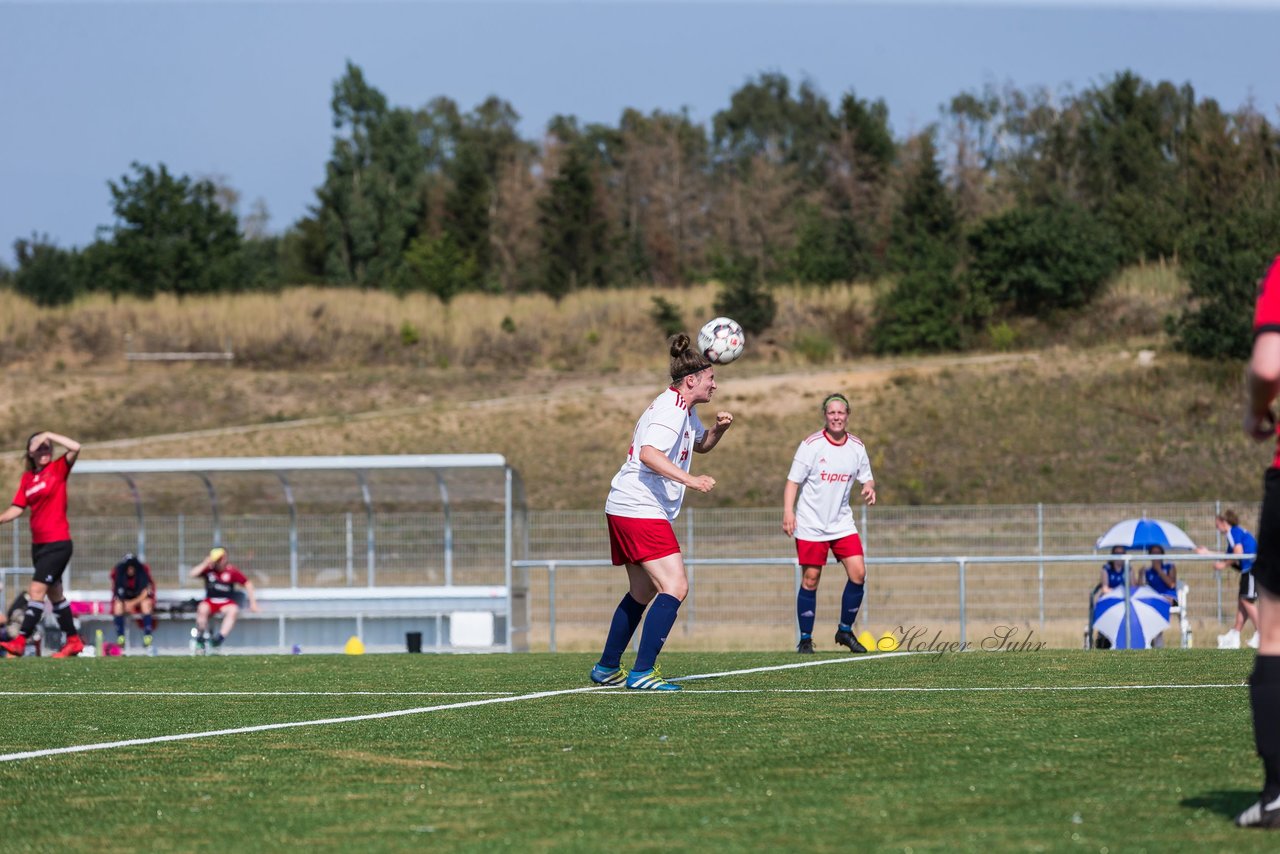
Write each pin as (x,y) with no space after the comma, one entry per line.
(822,475)
(644,498)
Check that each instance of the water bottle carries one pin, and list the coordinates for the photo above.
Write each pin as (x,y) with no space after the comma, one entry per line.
(195,634)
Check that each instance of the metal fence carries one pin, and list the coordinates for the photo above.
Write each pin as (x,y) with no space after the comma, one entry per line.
(738,601)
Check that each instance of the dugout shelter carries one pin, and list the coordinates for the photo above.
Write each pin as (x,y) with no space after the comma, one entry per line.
(376,546)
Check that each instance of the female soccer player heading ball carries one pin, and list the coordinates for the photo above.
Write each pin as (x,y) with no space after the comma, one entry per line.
(825,466)
(644,498)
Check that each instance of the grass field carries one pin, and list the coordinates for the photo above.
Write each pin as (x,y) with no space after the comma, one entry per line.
(976,751)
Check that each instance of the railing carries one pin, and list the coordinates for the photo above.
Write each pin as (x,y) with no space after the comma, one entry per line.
(962,564)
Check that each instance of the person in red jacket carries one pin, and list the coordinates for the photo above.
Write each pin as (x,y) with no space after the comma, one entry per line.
(43,490)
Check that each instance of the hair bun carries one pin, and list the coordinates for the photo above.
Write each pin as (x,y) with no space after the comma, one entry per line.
(680,343)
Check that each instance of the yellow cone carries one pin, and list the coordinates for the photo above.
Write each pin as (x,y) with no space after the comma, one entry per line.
(868,640)
(887,642)
(354,646)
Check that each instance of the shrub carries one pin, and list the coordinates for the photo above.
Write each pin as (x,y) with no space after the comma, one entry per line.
(1031,261)
(666,315)
(922,312)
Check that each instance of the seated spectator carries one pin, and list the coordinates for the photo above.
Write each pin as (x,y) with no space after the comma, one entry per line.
(1162,577)
(11,621)
(1112,578)
(220,581)
(133,592)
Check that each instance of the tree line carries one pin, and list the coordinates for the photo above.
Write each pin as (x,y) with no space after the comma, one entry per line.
(1015,202)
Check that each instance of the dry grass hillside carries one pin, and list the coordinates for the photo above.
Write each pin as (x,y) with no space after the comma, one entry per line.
(1068,412)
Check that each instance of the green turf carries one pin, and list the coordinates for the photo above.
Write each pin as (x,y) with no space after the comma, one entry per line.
(819,770)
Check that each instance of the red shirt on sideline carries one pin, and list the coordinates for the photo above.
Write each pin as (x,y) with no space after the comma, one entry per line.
(45,493)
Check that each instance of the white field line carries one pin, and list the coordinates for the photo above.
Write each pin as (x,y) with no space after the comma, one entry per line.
(258,693)
(187,736)
(1011,688)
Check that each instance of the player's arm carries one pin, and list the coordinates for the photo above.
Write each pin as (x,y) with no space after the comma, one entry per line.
(657,462)
(13,511)
(711,436)
(1263,379)
(252,594)
(72,446)
(1170,576)
(789,493)
(869,491)
(199,569)
(1105,588)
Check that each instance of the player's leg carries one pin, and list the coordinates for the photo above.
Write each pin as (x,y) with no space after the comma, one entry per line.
(73,645)
(228,613)
(849,552)
(668,578)
(1264,682)
(117,619)
(626,619)
(146,607)
(807,604)
(203,611)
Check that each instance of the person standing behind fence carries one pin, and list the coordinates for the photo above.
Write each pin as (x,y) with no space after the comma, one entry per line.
(1263,380)
(644,498)
(1241,542)
(823,471)
(43,489)
(133,592)
(220,580)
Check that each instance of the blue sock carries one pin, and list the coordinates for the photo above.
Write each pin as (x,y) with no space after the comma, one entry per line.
(850,602)
(662,616)
(119,621)
(148,623)
(806,607)
(626,618)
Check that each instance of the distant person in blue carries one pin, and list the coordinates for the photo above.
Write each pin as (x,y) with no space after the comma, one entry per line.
(1112,577)
(1162,577)
(1240,542)
(1112,573)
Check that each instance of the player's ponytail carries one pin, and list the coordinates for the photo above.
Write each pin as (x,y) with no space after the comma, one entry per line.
(684,359)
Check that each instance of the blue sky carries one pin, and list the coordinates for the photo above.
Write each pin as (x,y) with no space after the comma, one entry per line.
(241,90)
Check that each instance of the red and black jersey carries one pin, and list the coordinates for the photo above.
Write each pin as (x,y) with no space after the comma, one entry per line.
(220,584)
(44,492)
(129,584)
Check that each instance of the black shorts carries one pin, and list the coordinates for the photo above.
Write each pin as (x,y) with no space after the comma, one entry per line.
(1248,590)
(50,561)
(1266,569)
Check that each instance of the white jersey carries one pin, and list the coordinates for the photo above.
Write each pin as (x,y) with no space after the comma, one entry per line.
(671,425)
(826,472)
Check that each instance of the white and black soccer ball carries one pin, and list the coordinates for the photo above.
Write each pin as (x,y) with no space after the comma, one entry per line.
(721,340)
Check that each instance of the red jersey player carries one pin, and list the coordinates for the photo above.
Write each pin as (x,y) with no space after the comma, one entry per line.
(43,490)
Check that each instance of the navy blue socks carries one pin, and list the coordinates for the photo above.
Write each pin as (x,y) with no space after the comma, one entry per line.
(806,607)
(626,618)
(662,616)
(850,602)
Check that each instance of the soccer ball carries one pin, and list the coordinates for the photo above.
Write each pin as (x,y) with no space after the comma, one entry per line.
(721,340)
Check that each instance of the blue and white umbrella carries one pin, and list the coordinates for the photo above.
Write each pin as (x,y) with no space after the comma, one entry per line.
(1141,533)
(1150,617)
